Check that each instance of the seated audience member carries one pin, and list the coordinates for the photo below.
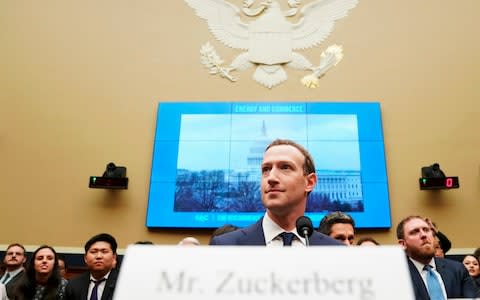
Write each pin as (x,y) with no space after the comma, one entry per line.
(367,241)
(62,266)
(41,279)
(473,267)
(340,226)
(15,257)
(3,292)
(189,241)
(98,283)
(432,277)
(223,229)
(287,178)
(438,249)
(444,243)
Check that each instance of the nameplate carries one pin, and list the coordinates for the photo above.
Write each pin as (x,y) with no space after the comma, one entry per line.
(231,272)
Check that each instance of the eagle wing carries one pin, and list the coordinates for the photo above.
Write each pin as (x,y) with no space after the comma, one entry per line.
(223,21)
(317,19)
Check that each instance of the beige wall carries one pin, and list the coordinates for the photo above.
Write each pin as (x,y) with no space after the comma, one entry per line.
(80,82)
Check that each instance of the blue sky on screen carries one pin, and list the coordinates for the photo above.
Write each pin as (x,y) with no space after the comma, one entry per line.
(212,142)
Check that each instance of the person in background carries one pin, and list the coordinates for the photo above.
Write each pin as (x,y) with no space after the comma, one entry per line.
(15,258)
(223,229)
(189,241)
(431,276)
(444,244)
(438,249)
(339,226)
(288,177)
(367,241)
(62,266)
(41,280)
(99,282)
(473,267)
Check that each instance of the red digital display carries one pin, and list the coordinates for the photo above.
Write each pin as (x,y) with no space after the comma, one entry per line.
(439,183)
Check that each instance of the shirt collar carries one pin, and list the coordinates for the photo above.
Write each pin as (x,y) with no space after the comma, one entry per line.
(14,273)
(104,277)
(271,230)
(420,265)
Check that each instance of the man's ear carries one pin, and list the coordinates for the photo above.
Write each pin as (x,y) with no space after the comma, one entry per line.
(311,182)
(401,242)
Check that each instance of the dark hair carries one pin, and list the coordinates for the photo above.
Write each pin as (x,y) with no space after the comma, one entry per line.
(476,253)
(61,257)
(367,239)
(401,225)
(27,284)
(308,164)
(102,237)
(144,243)
(335,217)
(472,255)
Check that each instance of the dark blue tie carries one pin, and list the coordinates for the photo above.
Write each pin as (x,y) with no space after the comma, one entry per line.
(94,295)
(287,238)
(433,285)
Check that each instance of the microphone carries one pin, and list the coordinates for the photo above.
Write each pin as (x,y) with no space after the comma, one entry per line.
(305,228)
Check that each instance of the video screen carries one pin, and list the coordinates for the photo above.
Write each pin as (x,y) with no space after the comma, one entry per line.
(207,157)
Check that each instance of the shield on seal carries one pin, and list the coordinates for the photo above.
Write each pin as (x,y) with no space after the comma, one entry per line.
(270,38)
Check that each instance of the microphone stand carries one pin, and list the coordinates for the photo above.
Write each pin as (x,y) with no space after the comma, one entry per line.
(305,234)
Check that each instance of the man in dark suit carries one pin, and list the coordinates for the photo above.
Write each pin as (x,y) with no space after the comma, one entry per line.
(100,280)
(288,176)
(13,261)
(416,237)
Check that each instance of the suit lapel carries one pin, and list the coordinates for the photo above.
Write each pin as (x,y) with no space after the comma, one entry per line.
(442,269)
(86,283)
(110,285)
(419,287)
(253,235)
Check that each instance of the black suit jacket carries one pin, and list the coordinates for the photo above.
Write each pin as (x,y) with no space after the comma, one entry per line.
(77,287)
(12,283)
(253,236)
(455,277)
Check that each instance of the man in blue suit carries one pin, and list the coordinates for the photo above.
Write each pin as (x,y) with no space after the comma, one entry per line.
(288,176)
(417,238)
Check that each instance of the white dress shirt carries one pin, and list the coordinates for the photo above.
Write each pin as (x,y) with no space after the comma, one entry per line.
(423,273)
(100,288)
(271,232)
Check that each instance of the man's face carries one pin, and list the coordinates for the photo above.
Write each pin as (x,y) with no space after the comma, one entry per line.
(44,261)
(14,258)
(343,233)
(100,258)
(418,240)
(61,268)
(284,186)
(438,249)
